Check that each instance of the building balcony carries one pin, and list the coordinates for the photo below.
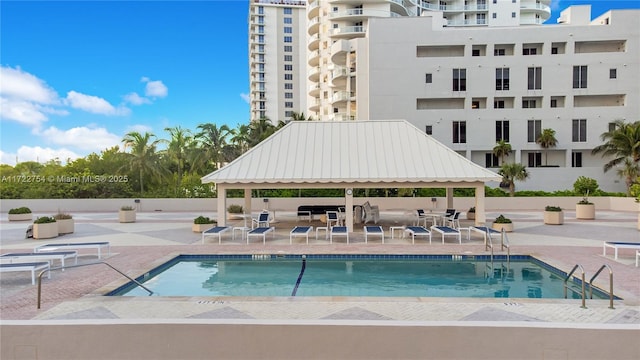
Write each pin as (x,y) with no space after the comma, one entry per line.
(339,51)
(313,9)
(541,9)
(313,26)
(356,15)
(314,89)
(314,74)
(314,42)
(339,76)
(349,32)
(314,58)
(343,116)
(314,105)
(341,97)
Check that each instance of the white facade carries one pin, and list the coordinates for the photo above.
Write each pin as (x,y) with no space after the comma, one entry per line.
(277,59)
(512,82)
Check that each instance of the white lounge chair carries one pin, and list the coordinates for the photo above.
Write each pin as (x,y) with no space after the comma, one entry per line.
(31,267)
(261,221)
(84,245)
(483,230)
(300,231)
(418,231)
(615,245)
(46,256)
(260,232)
(371,213)
(447,231)
(338,231)
(373,231)
(216,230)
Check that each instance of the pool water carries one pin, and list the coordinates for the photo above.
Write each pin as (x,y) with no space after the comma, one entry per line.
(380,277)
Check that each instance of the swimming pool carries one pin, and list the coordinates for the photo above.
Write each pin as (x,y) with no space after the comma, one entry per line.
(354,275)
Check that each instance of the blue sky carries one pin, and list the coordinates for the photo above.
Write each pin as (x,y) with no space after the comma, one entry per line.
(78,75)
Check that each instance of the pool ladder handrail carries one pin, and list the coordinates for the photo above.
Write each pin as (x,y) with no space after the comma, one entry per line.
(503,244)
(81,265)
(583,292)
(610,284)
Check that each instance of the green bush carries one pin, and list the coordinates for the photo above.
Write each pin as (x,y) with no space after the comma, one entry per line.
(126,208)
(45,220)
(235,209)
(472,209)
(583,187)
(62,216)
(203,220)
(552,208)
(502,220)
(20,210)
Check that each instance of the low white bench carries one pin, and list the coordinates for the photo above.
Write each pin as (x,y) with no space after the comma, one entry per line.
(215,231)
(615,245)
(46,256)
(86,245)
(31,267)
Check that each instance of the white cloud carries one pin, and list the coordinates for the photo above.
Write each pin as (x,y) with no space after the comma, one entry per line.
(25,98)
(155,88)
(246,98)
(93,104)
(85,138)
(135,99)
(39,154)
(139,128)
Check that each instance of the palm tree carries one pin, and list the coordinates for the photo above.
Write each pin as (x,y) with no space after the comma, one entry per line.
(630,172)
(512,172)
(240,137)
(546,140)
(213,140)
(621,142)
(502,150)
(177,148)
(143,155)
(260,130)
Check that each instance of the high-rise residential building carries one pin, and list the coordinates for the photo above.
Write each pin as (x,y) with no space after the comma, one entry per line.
(472,73)
(277,59)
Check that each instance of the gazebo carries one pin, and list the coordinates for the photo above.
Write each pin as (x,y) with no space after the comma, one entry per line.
(347,155)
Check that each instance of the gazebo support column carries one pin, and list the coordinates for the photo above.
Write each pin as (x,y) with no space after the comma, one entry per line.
(247,201)
(449,198)
(222,205)
(480,213)
(348,209)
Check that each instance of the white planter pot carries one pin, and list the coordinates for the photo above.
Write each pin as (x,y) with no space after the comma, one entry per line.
(21,217)
(45,231)
(554,217)
(65,226)
(586,211)
(471,216)
(127,216)
(201,227)
(232,216)
(506,227)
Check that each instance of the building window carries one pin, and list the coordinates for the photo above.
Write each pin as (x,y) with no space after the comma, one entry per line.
(499,52)
(288,86)
(502,79)
(262,105)
(459,132)
(288,95)
(554,103)
(513,15)
(475,104)
(498,104)
(288,58)
(261,39)
(494,15)
(613,73)
(576,159)
(288,67)
(579,130)
(288,113)
(288,104)
(429,129)
(534,129)
(491,160)
(528,104)
(580,77)
(475,52)
(535,159)
(288,76)
(554,50)
(529,51)
(287,11)
(502,130)
(288,30)
(260,29)
(428,78)
(459,79)
(288,39)
(534,78)
(261,10)
(288,20)
(288,48)
(612,127)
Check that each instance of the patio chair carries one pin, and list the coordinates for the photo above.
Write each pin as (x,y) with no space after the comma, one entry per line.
(261,221)
(373,231)
(371,213)
(338,231)
(447,231)
(332,219)
(454,220)
(418,231)
(300,231)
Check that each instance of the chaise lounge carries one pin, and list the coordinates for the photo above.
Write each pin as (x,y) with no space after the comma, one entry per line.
(260,232)
(615,245)
(42,256)
(447,231)
(418,231)
(31,267)
(300,231)
(216,230)
(373,231)
(85,245)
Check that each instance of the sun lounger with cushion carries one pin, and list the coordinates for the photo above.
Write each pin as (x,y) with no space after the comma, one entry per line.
(216,230)
(615,245)
(85,245)
(447,231)
(338,231)
(31,266)
(46,256)
(373,231)
(260,232)
(483,230)
(418,231)
(302,231)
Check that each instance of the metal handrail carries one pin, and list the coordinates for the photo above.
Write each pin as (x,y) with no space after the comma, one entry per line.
(610,284)
(81,265)
(583,284)
(504,243)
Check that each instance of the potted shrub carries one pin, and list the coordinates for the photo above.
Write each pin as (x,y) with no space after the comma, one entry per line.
(20,214)
(45,227)
(202,223)
(553,215)
(66,225)
(235,212)
(471,213)
(127,214)
(502,222)
(584,208)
